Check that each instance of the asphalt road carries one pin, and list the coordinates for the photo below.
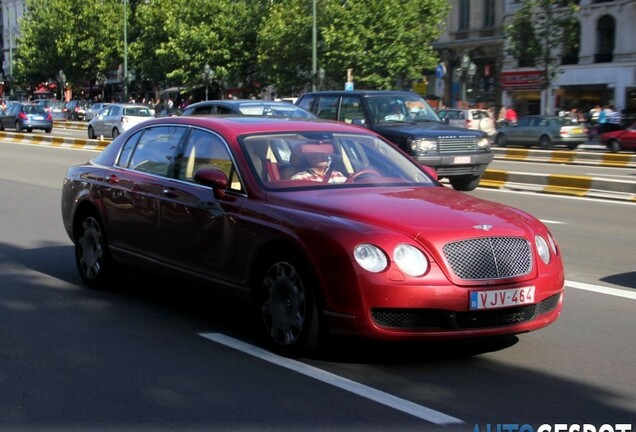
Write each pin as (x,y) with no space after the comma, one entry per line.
(158,355)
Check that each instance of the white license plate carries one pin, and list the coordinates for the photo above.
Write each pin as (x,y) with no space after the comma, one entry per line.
(38,118)
(461,160)
(501,298)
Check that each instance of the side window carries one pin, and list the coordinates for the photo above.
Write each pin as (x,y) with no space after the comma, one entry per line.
(327,107)
(523,122)
(206,150)
(306,102)
(155,150)
(351,110)
(223,110)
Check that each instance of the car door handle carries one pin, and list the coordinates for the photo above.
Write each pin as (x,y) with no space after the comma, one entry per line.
(170,193)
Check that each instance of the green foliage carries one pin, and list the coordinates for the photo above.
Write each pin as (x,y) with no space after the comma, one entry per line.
(541,31)
(386,42)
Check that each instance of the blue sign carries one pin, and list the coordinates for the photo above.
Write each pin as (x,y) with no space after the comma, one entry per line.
(349,86)
(440,70)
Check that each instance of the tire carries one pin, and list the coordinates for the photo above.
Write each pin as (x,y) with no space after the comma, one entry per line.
(501,140)
(614,146)
(92,256)
(91,133)
(48,130)
(115,133)
(545,142)
(287,307)
(1,126)
(18,127)
(464,183)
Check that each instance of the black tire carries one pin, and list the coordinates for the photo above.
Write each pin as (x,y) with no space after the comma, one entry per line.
(48,130)
(501,140)
(464,183)
(94,263)
(18,127)
(91,133)
(1,126)
(115,133)
(545,142)
(614,146)
(288,308)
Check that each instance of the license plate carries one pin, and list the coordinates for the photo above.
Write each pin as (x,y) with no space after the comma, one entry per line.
(577,131)
(38,118)
(461,160)
(501,298)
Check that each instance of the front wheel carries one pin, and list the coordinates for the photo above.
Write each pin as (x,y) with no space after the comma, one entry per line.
(501,140)
(91,133)
(614,146)
(92,257)
(545,142)
(464,182)
(288,308)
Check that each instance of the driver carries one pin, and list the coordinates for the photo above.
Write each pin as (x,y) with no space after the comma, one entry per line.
(317,164)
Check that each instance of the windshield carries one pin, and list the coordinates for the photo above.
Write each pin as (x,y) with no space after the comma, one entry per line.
(323,159)
(278,110)
(401,108)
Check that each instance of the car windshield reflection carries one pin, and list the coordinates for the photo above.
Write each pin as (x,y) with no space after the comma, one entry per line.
(302,160)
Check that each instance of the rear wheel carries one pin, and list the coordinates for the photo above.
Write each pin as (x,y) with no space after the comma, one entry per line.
(545,142)
(614,146)
(91,133)
(115,133)
(48,130)
(464,182)
(288,307)
(92,257)
(18,127)
(501,140)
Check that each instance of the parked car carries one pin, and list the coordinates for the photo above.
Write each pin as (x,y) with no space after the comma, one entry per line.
(477,119)
(620,139)
(94,109)
(543,131)
(26,117)
(384,251)
(116,119)
(55,107)
(248,107)
(76,109)
(406,119)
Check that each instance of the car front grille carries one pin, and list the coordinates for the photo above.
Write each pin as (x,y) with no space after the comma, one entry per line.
(453,144)
(489,258)
(420,319)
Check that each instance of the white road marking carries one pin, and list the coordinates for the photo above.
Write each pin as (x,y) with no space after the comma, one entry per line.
(375,395)
(601,289)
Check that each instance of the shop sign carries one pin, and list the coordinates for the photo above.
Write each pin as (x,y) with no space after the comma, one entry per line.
(528,80)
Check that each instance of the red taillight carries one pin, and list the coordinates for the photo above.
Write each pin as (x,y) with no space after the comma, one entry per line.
(23,116)
(468,123)
(49,117)
(124,119)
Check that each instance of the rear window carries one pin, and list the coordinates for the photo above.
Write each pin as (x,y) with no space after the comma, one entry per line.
(34,109)
(137,112)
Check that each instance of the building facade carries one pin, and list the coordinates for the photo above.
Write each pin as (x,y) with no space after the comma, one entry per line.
(601,70)
(11,12)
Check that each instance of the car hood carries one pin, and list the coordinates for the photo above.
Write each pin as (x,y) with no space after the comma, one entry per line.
(423,213)
(425,129)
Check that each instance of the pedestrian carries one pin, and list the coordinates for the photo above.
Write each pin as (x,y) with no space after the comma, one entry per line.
(510,116)
(613,119)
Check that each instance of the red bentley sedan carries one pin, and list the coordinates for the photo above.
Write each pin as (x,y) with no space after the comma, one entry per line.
(620,139)
(325,227)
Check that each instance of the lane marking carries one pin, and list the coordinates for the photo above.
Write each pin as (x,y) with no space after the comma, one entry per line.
(356,388)
(601,289)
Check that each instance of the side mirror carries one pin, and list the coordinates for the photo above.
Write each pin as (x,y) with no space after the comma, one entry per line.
(430,171)
(445,120)
(214,178)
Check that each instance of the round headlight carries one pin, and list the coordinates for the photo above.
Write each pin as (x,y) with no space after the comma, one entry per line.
(483,144)
(410,260)
(542,248)
(370,257)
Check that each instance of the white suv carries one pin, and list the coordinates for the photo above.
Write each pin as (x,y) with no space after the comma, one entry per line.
(477,119)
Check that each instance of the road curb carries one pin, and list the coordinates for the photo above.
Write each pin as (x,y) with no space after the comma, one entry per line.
(605,159)
(53,141)
(581,186)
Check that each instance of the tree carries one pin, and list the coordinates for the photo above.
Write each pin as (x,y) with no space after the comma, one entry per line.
(541,32)
(384,48)
(81,38)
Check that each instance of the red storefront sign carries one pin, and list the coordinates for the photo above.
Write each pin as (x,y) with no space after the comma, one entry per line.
(529,80)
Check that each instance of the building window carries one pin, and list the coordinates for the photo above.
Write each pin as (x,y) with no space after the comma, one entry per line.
(464,15)
(571,49)
(489,13)
(605,35)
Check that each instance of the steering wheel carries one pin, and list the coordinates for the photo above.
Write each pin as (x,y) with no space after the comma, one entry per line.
(362,173)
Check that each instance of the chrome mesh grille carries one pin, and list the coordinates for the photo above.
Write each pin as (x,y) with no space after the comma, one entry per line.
(456,144)
(489,258)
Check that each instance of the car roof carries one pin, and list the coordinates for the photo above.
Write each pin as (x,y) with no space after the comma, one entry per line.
(362,92)
(239,125)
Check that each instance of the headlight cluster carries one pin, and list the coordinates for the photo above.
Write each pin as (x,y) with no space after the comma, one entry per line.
(408,258)
(544,247)
(483,144)
(423,145)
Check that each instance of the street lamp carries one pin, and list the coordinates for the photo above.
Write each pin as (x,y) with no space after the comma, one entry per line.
(125,78)
(314,42)
(207,72)
(61,77)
